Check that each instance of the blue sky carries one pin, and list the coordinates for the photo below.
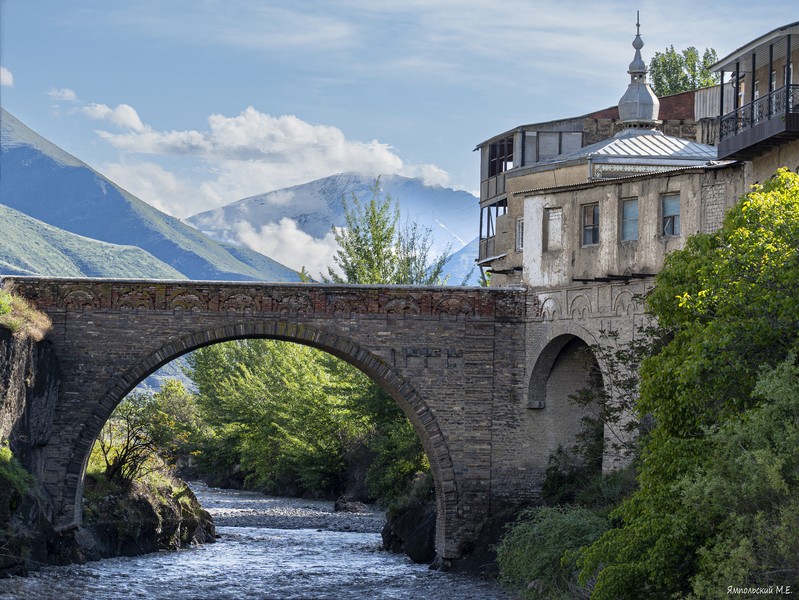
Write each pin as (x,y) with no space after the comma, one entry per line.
(192,104)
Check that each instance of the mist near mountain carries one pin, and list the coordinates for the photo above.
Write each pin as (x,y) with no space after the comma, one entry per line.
(293,225)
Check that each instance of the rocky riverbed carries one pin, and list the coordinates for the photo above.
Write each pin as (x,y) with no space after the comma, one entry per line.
(268,548)
(238,508)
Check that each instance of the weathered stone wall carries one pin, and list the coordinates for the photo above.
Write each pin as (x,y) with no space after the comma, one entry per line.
(704,195)
(452,358)
(764,166)
(29,378)
(576,313)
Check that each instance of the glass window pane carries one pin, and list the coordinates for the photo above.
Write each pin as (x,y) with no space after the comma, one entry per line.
(670,208)
(590,224)
(629,220)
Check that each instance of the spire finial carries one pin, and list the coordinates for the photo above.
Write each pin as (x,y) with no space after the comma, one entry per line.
(639,105)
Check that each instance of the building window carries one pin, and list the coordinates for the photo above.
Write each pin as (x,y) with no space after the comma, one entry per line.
(500,156)
(488,218)
(519,234)
(590,224)
(670,209)
(629,220)
(553,222)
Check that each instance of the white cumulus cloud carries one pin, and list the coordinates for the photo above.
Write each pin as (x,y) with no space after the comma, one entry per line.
(124,116)
(241,156)
(287,244)
(62,94)
(6,77)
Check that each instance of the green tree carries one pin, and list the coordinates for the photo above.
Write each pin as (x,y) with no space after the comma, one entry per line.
(730,304)
(294,419)
(275,414)
(374,249)
(671,72)
(132,441)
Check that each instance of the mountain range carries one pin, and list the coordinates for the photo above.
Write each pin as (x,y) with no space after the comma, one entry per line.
(44,182)
(60,217)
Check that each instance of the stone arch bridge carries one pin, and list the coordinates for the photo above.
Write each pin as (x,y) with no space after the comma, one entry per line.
(481,373)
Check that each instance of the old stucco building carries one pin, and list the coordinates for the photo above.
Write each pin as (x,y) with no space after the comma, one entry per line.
(592,198)
(584,215)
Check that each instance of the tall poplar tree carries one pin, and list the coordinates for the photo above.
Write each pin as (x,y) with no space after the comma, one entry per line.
(375,249)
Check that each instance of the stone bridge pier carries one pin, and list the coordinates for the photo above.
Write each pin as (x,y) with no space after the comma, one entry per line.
(452,358)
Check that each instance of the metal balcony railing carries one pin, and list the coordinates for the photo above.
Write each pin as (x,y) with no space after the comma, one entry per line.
(776,104)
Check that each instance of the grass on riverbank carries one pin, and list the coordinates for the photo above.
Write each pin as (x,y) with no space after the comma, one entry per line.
(13,473)
(21,318)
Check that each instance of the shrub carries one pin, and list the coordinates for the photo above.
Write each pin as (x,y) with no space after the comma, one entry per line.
(537,553)
(21,318)
(13,472)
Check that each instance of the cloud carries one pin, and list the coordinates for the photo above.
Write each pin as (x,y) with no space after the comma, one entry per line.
(243,155)
(287,244)
(62,94)
(6,77)
(163,189)
(124,116)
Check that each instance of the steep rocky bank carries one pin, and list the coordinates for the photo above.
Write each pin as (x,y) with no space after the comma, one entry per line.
(139,521)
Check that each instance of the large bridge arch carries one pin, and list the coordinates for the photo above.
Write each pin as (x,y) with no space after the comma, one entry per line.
(409,400)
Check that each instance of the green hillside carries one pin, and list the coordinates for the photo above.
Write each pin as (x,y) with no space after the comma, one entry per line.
(30,247)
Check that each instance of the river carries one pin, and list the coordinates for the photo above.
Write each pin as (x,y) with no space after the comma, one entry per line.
(269,548)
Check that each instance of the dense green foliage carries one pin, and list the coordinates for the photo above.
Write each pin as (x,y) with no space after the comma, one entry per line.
(719,475)
(537,556)
(671,72)
(294,419)
(375,249)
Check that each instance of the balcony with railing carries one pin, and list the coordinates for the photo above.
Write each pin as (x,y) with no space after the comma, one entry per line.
(758,126)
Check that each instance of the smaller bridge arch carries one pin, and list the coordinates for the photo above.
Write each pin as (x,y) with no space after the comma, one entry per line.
(563,364)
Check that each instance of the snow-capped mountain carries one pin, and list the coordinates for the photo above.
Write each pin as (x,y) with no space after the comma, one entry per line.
(314,207)
(43,181)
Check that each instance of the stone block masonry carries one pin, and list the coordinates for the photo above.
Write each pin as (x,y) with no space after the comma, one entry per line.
(434,349)
(483,374)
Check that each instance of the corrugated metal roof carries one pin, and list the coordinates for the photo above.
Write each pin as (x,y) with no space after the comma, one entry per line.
(643,144)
